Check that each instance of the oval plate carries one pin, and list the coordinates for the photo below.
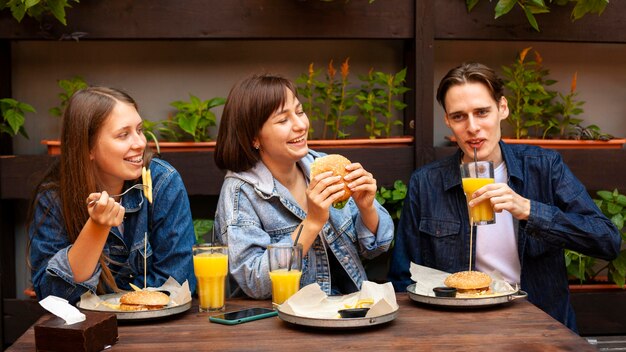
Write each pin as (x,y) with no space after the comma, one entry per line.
(349,323)
(464,302)
(141,314)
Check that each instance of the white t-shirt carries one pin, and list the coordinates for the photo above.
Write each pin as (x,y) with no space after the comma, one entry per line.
(496,244)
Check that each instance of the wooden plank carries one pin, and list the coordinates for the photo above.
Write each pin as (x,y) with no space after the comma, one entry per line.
(218,19)
(453,22)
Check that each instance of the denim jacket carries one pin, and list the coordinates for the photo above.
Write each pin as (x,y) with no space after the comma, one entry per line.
(167,221)
(434,226)
(255,210)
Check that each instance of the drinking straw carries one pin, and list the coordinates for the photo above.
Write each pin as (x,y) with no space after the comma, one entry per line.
(295,244)
(471,237)
(145,261)
(475,163)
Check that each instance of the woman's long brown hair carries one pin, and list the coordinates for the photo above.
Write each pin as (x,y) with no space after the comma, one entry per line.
(75,176)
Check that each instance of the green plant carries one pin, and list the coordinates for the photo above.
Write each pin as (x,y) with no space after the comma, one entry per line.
(13,116)
(201,227)
(529,100)
(69,87)
(377,97)
(193,119)
(37,8)
(536,111)
(333,102)
(392,198)
(535,7)
(585,268)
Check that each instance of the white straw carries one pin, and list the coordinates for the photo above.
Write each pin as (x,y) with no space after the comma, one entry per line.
(471,237)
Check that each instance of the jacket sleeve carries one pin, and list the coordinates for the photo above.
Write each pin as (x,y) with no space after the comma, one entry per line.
(172,232)
(573,221)
(50,269)
(372,244)
(406,246)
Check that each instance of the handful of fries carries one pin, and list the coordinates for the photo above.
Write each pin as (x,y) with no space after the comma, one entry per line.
(146,179)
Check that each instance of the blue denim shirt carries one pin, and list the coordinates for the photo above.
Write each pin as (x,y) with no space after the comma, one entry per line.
(434,227)
(170,237)
(255,210)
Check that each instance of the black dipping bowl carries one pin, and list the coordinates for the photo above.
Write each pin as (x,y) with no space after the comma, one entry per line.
(445,291)
(353,312)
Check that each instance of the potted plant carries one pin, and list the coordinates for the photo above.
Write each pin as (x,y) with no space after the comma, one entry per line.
(37,9)
(545,117)
(188,128)
(333,104)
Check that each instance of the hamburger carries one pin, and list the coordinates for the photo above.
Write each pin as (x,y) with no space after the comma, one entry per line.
(337,164)
(469,282)
(143,300)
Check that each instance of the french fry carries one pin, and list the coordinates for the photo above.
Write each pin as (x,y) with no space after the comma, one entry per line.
(146,179)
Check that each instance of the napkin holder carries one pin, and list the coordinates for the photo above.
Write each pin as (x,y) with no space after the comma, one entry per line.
(98,331)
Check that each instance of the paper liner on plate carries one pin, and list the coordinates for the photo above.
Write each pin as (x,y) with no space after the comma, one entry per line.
(179,294)
(428,278)
(312,302)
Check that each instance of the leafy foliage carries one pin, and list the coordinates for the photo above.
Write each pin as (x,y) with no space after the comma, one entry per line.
(69,87)
(37,8)
(192,119)
(201,227)
(13,116)
(535,7)
(582,267)
(336,104)
(535,110)
(392,198)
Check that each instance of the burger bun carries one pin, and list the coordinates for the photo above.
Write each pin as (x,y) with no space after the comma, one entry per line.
(143,300)
(469,282)
(337,164)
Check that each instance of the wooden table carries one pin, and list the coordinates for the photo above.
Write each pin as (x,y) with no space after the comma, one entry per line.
(515,326)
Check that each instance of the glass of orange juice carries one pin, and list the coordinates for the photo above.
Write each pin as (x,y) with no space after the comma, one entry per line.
(285,270)
(210,264)
(475,175)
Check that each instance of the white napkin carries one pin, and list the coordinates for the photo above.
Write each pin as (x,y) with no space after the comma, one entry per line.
(62,309)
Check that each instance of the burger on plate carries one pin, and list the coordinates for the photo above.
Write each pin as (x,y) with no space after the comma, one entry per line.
(337,164)
(469,282)
(143,300)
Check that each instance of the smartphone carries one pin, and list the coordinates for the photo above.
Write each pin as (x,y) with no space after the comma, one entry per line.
(243,316)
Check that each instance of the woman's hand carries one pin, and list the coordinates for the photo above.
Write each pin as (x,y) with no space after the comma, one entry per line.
(362,184)
(502,197)
(105,211)
(324,189)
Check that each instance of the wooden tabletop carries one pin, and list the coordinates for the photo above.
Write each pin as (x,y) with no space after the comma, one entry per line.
(514,326)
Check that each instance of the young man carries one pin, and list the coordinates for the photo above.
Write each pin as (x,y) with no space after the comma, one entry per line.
(541,208)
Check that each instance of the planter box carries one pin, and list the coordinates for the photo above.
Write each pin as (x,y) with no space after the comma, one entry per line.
(615,143)
(54,146)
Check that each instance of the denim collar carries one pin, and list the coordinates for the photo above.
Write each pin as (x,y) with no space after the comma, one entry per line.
(262,179)
(453,179)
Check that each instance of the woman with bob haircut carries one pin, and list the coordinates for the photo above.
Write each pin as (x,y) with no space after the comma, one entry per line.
(84,239)
(268,194)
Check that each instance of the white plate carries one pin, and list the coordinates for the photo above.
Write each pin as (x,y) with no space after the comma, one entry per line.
(341,323)
(141,314)
(465,302)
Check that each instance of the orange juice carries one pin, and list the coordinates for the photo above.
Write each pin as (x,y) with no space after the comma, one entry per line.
(482,213)
(284,284)
(211,270)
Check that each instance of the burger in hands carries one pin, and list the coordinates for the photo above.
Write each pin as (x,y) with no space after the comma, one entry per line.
(143,300)
(337,164)
(469,283)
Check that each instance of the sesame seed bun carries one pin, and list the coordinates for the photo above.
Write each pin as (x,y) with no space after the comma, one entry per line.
(337,164)
(470,282)
(143,300)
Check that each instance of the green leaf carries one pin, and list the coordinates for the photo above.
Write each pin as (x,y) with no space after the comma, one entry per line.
(470,4)
(605,195)
(57,8)
(503,7)
(531,18)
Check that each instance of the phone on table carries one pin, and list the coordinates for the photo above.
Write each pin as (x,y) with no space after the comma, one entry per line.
(243,316)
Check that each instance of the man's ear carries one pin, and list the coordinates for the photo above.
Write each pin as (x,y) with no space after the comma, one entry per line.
(503,108)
